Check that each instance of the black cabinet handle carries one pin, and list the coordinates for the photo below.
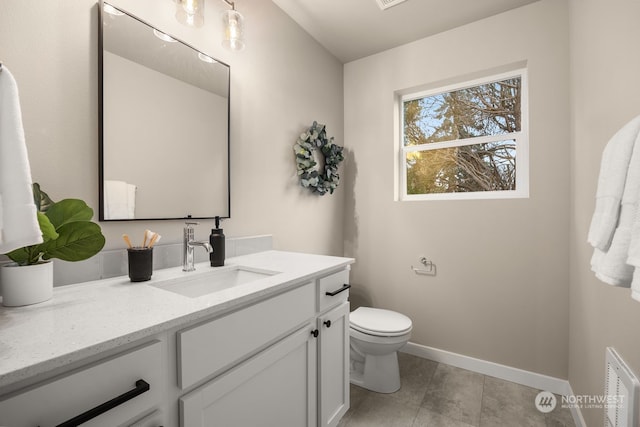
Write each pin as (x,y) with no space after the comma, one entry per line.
(315,333)
(327,323)
(141,387)
(342,289)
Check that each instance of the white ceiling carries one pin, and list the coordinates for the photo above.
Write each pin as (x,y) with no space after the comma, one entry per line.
(352,29)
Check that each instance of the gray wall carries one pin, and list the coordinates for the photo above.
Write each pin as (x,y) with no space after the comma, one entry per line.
(501,290)
(280,84)
(604,72)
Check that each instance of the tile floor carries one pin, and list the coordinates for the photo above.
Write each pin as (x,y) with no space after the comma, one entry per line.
(438,395)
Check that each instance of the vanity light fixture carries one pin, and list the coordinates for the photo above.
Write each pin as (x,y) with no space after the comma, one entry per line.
(233,25)
(190,12)
(164,37)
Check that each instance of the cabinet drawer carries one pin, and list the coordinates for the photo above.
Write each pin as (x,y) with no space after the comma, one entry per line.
(66,397)
(332,284)
(209,348)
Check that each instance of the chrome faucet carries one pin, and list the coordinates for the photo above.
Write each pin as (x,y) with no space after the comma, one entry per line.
(189,244)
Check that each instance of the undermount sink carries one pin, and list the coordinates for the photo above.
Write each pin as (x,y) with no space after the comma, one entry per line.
(196,284)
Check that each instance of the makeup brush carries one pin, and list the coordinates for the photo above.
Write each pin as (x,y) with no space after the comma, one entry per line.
(127,240)
(147,234)
(156,237)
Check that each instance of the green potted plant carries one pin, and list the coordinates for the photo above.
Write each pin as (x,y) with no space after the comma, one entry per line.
(68,234)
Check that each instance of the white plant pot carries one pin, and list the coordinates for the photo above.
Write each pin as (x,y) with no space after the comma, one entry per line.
(26,285)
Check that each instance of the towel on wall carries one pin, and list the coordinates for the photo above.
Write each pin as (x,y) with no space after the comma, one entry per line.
(634,254)
(611,183)
(611,265)
(18,215)
(119,200)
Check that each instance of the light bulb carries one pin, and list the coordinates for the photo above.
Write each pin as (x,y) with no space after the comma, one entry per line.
(190,12)
(233,37)
(190,6)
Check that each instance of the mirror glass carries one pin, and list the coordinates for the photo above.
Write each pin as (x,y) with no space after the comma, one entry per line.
(164,125)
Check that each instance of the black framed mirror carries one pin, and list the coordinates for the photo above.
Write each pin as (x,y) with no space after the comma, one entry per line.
(164,124)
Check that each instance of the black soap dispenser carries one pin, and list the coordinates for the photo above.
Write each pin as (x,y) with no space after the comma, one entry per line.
(216,239)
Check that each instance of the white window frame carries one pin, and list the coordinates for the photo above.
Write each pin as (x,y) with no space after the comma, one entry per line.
(521,139)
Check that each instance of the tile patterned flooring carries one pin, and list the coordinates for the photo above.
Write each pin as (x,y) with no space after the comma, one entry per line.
(438,395)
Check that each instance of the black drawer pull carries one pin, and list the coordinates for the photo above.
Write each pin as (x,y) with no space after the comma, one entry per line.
(327,323)
(141,387)
(315,333)
(342,289)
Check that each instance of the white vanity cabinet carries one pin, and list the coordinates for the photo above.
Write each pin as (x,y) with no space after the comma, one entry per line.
(300,379)
(272,352)
(133,379)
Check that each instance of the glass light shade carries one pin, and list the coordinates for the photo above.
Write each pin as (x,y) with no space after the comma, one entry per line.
(233,24)
(190,12)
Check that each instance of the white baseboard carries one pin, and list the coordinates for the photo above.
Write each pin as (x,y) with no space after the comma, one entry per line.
(577,414)
(508,373)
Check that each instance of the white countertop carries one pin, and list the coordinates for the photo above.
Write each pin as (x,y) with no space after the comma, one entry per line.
(86,319)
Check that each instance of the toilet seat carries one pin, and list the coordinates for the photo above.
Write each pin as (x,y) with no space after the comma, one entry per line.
(377,339)
(379,322)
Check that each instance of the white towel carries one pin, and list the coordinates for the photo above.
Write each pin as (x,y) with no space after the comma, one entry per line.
(634,245)
(611,266)
(611,183)
(634,253)
(18,216)
(119,200)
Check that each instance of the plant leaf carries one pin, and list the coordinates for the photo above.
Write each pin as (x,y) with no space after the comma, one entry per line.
(46,227)
(69,210)
(20,255)
(76,242)
(31,254)
(40,198)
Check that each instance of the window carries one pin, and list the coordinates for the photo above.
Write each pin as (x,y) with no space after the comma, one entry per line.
(465,141)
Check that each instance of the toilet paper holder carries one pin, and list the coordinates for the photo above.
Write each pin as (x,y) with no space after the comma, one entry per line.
(428,267)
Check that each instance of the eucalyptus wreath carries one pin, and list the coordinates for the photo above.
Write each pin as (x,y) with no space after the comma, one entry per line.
(310,176)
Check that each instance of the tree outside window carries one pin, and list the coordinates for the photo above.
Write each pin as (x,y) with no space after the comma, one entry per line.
(466,140)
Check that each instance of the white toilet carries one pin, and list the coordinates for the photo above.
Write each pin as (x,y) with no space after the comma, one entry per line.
(376,336)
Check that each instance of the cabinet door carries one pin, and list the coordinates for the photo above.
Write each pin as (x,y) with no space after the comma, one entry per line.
(275,388)
(333,365)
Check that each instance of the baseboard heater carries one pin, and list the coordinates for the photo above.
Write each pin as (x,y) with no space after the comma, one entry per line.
(621,392)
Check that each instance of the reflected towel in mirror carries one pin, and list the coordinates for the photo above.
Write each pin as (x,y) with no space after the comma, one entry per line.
(119,200)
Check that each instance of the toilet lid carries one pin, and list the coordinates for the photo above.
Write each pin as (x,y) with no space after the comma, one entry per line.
(376,321)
